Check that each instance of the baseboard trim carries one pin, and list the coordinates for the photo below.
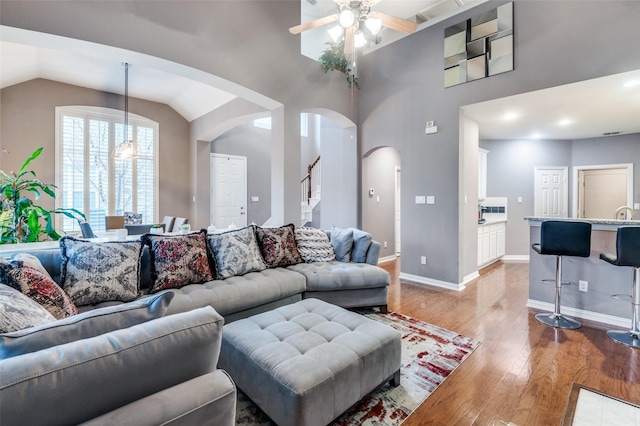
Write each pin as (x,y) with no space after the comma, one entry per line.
(430,281)
(387,258)
(581,313)
(515,258)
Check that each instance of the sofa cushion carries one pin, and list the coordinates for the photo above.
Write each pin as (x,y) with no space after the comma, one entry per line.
(361,243)
(239,293)
(178,260)
(236,252)
(36,283)
(332,276)
(73,383)
(278,246)
(83,326)
(314,245)
(17,311)
(97,272)
(342,242)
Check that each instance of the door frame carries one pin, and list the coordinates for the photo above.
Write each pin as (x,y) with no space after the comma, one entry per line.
(212,158)
(574,186)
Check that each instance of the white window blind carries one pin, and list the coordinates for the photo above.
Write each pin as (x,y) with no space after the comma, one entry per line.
(87,176)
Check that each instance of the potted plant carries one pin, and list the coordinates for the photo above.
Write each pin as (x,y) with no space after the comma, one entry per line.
(21,219)
(334,59)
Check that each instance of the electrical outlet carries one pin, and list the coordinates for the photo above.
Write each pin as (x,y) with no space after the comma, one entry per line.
(583,285)
(423,260)
(385,244)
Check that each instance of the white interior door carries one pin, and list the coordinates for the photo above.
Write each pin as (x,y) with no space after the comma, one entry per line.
(550,192)
(228,190)
(601,192)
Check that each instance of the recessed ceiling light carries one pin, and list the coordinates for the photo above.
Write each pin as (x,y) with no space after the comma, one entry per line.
(510,116)
(564,122)
(536,136)
(631,83)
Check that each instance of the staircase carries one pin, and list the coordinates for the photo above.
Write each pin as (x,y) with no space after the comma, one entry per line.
(310,191)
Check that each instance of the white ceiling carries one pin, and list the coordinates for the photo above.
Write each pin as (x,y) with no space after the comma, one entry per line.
(190,98)
(580,110)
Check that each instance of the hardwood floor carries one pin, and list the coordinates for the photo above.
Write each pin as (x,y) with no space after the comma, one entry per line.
(522,372)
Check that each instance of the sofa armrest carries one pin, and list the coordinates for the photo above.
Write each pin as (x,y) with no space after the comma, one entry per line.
(373,253)
(208,400)
(80,380)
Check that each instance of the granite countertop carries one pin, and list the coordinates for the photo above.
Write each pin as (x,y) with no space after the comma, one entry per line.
(593,221)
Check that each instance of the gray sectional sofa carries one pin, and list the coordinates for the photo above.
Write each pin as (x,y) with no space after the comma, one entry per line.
(164,370)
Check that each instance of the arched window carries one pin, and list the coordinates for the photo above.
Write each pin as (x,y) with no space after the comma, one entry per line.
(90,180)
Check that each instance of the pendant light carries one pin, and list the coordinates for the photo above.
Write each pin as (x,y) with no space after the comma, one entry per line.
(127,149)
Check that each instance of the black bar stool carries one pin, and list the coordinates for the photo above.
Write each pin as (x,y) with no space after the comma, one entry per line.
(562,238)
(628,254)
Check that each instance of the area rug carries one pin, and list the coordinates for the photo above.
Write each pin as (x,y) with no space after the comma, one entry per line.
(589,407)
(429,355)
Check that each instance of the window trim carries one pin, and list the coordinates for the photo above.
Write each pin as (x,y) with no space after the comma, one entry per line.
(114,116)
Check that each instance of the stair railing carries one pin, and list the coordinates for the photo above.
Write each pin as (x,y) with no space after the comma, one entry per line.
(313,175)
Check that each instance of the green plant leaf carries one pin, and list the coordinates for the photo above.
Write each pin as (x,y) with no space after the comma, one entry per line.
(32,157)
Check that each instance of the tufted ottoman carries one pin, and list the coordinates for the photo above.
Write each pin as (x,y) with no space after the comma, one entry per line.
(308,362)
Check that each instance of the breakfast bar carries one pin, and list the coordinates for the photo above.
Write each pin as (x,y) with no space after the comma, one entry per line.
(602,279)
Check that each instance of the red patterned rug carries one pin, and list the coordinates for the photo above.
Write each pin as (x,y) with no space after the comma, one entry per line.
(429,355)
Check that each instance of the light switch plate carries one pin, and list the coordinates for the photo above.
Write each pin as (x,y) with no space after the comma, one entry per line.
(420,199)
(431,199)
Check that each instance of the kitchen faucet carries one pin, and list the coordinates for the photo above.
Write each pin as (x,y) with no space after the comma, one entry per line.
(624,209)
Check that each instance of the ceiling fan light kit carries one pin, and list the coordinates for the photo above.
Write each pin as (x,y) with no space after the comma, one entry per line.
(350,15)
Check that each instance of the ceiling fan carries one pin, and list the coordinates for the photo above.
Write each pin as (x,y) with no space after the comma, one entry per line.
(352,13)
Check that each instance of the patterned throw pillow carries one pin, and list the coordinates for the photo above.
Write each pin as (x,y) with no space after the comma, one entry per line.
(236,252)
(278,246)
(18,312)
(178,260)
(100,272)
(314,245)
(35,283)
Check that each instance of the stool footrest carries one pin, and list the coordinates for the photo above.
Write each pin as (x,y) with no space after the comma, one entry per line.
(558,321)
(625,297)
(627,338)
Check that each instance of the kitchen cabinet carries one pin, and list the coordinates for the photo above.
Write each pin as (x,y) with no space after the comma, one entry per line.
(491,242)
(482,173)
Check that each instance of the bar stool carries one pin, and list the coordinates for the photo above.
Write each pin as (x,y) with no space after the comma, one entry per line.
(562,238)
(628,254)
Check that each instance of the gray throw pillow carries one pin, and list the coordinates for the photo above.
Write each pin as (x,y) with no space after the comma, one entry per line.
(342,242)
(236,252)
(83,326)
(361,243)
(17,311)
(100,272)
(314,245)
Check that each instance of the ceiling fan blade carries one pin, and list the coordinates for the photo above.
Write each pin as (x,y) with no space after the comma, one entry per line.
(394,23)
(313,24)
(348,40)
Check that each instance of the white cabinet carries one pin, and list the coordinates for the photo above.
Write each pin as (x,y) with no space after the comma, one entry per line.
(482,173)
(491,242)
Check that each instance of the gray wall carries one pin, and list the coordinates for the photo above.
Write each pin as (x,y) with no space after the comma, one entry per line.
(555,42)
(27,121)
(339,175)
(510,173)
(255,144)
(378,172)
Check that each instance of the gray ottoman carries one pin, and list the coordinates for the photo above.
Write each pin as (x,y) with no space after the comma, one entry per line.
(307,363)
